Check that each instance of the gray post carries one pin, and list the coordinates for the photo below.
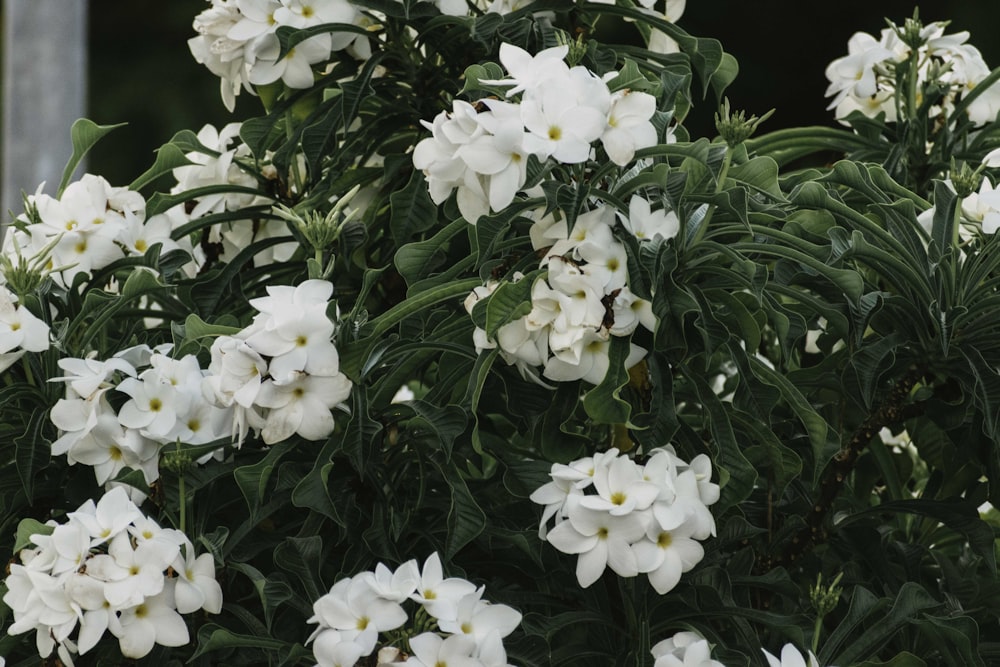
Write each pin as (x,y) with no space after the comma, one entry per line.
(44,91)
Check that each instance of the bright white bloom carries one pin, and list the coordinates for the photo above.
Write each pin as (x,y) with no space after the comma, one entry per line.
(478,619)
(790,657)
(684,649)
(154,621)
(302,406)
(647,225)
(438,595)
(530,72)
(629,128)
(19,328)
(430,650)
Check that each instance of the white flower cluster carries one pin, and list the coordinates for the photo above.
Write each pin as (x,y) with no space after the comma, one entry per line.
(684,649)
(281,375)
(864,79)
(90,226)
(223,169)
(357,610)
(633,518)
(583,300)
(20,330)
(166,404)
(238,42)
(109,568)
(563,110)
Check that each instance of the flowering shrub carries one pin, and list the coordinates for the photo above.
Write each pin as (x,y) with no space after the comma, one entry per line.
(468,272)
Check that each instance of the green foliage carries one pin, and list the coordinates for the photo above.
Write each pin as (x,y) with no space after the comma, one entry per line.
(824,331)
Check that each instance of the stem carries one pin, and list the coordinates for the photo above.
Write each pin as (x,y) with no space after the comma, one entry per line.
(719,187)
(294,167)
(182,494)
(816,630)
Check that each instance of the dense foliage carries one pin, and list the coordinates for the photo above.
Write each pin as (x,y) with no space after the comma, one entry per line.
(469,306)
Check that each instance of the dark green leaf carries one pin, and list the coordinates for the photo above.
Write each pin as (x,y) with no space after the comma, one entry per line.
(84,134)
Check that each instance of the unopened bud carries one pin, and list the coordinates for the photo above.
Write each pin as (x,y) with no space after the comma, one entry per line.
(966,179)
(824,599)
(735,127)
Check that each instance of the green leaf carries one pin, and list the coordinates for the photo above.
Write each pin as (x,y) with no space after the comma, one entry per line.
(815,425)
(419,259)
(904,659)
(863,604)
(168,157)
(301,557)
(83,134)
(911,601)
(411,209)
(629,77)
(447,423)
(603,403)
(356,90)
(474,74)
(571,201)
(477,381)
(957,514)
(252,479)
(466,520)
(759,174)
(510,302)
(736,476)
(28,527)
(361,431)
(32,451)
(212,637)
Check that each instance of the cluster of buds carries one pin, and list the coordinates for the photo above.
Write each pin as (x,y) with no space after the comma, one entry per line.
(614,512)
(109,568)
(451,623)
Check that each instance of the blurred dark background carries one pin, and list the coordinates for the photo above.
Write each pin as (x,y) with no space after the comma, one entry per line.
(141,70)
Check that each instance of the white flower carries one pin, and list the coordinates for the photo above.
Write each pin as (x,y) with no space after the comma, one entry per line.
(628,125)
(295,67)
(477,619)
(666,554)
(620,488)
(647,225)
(529,72)
(684,649)
(109,517)
(301,406)
(440,596)
(352,606)
(790,657)
(154,621)
(430,650)
(196,587)
(566,115)
(19,328)
(601,540)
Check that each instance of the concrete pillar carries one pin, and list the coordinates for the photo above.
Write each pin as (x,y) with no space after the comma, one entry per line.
(44,90)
